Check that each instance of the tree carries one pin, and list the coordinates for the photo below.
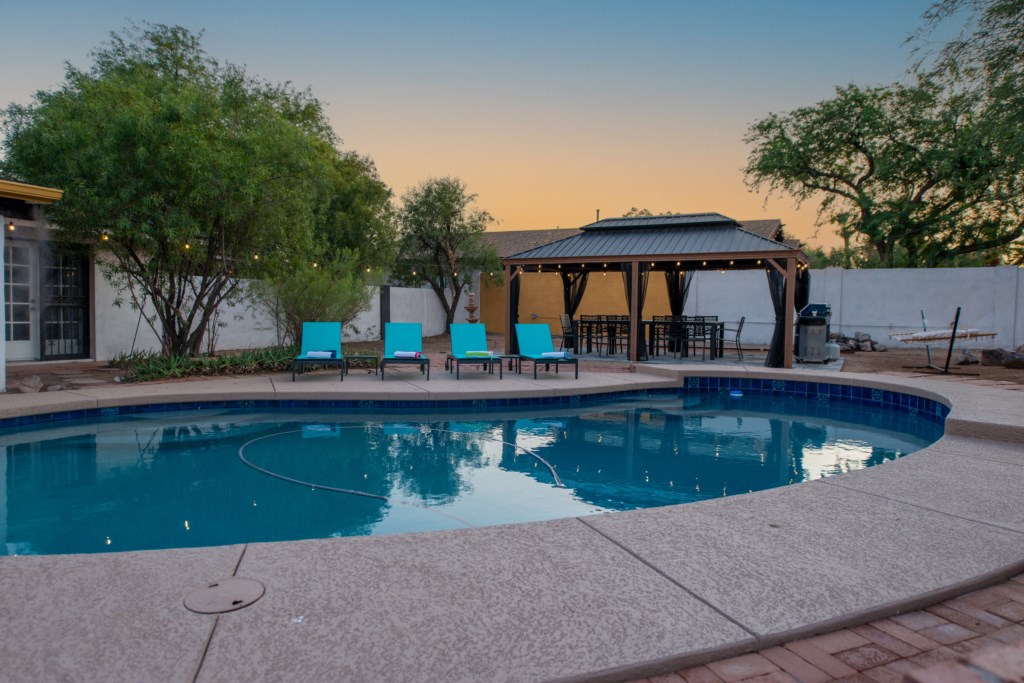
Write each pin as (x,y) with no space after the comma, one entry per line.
(331,290)
(190,174)
(360,216)
(922,175)
(442,240)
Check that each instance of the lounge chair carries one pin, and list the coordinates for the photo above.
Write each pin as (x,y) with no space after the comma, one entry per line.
(469,345)
(535,342)
(405,340)
(321,346)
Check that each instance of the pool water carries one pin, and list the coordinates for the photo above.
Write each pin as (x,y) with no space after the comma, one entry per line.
(233,475)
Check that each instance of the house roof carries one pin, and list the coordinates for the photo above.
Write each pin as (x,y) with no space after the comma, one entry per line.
(509,242)
(11,189)
(650,237)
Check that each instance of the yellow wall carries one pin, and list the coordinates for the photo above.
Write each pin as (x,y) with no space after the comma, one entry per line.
(541,294)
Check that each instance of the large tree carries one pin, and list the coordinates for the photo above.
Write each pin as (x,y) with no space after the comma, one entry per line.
(442,240)
(190,174)
(922,175)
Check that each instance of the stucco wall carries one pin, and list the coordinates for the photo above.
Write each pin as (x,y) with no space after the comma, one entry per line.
(412,305)
(243,327)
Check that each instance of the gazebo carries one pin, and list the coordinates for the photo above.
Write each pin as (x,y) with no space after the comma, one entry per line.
(677,246)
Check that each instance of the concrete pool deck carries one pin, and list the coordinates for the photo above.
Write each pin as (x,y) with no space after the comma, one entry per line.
(608,597)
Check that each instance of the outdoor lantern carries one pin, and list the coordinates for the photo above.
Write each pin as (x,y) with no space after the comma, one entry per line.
(104,236)
(10,226)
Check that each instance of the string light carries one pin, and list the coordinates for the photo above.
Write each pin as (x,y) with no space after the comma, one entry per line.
(10,225)
(104,236)
(315,264)
(187,246)
(255,257)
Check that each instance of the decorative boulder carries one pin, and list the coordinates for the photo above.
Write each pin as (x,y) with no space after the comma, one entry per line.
(1014,360)
(31,384)
(993,357)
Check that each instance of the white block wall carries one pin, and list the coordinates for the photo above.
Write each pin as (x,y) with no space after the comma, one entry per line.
(876,301)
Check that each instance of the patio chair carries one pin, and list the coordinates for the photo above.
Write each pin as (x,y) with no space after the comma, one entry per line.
(320,346)
(403,345)
(534,345)
(568,332)
(736,332)
(469,345)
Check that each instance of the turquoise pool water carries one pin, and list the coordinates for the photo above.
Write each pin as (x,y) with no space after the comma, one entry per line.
(229,475)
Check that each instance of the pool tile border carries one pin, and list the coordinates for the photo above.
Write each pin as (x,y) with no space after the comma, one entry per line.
(926,408)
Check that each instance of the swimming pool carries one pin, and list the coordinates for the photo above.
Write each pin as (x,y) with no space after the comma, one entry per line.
(222,473)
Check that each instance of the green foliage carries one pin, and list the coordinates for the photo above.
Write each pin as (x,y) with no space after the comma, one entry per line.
(336,290)
(442,240)
(919,175)
(191,175)
(360,216)
(929,174)
(147,366)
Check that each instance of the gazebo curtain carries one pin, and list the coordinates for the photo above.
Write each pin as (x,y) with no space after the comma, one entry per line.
(513,307)
(801,295)
(678,284)
(627,281)
(803,289)
(777,288)
(573,286)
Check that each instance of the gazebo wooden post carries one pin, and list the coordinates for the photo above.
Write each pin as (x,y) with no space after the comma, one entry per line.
(790,303)
(508,309)
(634,310)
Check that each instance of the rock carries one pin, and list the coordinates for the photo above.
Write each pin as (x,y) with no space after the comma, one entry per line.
(966,358)
(31,384)
(1019,349)
(862,336)
(879,347)
(1014,361)
(993,357)
(55,387)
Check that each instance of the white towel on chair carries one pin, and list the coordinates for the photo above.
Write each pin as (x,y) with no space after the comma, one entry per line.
(408,354)
(555,354)
(320,354)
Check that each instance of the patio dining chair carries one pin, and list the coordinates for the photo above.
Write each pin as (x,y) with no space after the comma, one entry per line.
(736,332)
(568,332)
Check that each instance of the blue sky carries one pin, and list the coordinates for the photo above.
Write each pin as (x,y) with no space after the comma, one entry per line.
(547,110)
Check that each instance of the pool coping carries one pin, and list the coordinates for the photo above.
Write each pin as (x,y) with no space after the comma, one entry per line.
(699,602)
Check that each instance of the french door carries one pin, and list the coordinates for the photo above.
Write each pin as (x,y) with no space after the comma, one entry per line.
(21,290)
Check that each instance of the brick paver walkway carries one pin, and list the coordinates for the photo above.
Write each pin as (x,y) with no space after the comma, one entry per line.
(976,638)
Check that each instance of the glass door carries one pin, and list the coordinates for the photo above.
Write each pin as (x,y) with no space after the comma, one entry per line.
(66,307)
(21,291)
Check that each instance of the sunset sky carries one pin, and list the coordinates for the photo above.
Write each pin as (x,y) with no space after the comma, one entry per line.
(547,110)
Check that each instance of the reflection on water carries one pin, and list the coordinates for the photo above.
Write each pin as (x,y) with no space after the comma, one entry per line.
(176,479)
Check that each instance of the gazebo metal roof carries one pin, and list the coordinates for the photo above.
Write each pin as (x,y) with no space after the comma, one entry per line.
(646,240)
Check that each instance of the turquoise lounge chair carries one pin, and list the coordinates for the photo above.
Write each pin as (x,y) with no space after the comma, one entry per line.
(319,339)
(403,337)
(468,338)
(534,341)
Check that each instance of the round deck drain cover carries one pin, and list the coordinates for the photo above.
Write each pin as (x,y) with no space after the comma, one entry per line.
(224,596)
